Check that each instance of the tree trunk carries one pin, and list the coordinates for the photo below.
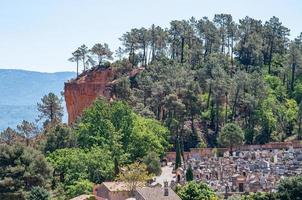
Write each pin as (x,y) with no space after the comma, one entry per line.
(51,115)
(232,52)
(226,108)
(217,117)
(100,61)
(192,124)
(144,54)
(284,79)
(235,104)
(173,48)
(222,45)
(84,66)
(293,76)
(299,128)
(116,167)
(153,43)
(270,58)
(182,49)
(77,68)
(229,46)
(209,96)
(205,51)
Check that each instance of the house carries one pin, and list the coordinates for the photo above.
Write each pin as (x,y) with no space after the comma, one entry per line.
(112,191)
(120,191)
(157,193)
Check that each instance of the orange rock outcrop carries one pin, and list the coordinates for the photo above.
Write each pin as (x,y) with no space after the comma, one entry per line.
(81,92)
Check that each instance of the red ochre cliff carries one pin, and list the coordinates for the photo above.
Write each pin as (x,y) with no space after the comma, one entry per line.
(80,93)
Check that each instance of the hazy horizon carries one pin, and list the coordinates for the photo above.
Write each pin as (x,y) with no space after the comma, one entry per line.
(37,71)
(40,36)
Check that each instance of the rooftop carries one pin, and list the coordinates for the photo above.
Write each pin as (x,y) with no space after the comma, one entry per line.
(156,193)
(116,186)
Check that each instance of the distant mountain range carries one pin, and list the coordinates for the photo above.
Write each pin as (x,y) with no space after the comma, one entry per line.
(21,90)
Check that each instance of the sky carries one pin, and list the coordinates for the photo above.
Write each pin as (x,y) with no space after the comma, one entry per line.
(39,35)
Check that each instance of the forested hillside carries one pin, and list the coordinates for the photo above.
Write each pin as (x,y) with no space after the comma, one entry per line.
(201,74)
(197,83)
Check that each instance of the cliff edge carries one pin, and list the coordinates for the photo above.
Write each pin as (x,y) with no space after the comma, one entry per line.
(81,92)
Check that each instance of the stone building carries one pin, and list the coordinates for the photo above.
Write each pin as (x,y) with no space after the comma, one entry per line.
(112,191)
(120,191)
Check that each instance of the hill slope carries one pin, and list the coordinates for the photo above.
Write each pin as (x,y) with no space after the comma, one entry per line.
(21,90)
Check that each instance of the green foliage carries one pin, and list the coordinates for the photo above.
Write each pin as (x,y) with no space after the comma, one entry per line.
(200,74)
(148,135)
(178,155)
(114,126)
(231,135)
(108,135)
(290,188)
(21,168)
(134,175)
(8,136)
(261,196)
(196,191)
(298,92)
(189,174)
(76,169)
(39,193)
(122,88)
(152,161)
(27,130)
(51,109)
(74,164)
(102,52)
(276,86)
(79,187)
(59,137)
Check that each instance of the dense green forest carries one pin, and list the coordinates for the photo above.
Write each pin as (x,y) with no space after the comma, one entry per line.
(204,83)
(201,74)
(68,160)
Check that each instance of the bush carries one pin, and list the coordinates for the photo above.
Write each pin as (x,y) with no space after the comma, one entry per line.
(153,164)
(80,187)
(39,193)
(196,191)
(290,188)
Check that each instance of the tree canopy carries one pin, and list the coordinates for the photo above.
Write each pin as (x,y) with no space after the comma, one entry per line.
(231,135)
(115,127)
(196,191)
(21,168)
(50,109)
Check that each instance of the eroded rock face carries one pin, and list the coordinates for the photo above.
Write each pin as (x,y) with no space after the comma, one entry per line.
(81,92)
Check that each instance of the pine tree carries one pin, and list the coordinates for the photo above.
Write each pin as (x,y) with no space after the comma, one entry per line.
(189,174)
(50,109)
(178,155)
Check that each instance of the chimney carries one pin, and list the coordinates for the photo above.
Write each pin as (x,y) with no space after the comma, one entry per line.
(166,188)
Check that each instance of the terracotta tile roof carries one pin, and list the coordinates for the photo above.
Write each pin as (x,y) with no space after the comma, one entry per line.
(156,193)
(116,186)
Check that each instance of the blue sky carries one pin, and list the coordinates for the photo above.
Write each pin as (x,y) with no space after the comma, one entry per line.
(40,34)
